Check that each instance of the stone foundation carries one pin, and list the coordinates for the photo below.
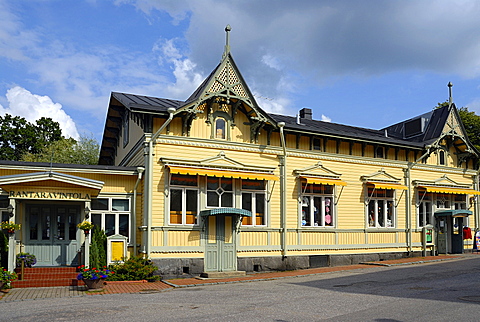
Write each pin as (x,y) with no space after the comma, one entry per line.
(187,267)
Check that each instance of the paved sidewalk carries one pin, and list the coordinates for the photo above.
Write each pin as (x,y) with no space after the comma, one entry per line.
(18,294)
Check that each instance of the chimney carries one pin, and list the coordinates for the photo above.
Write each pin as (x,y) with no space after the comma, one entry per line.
(306,113)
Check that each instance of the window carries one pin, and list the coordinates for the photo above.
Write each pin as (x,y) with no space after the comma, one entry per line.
(183,200)
(316,144)
(379,152)
(442,160)
(425,209)
(253,199)
(220,128)
(317,205)
(380,207)
(219,192)
(112,215)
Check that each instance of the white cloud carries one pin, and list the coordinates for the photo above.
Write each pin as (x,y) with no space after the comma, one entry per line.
(187,78)
(326,118)
(32,107)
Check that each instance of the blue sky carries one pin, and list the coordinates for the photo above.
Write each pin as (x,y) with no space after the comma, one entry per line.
(367,63)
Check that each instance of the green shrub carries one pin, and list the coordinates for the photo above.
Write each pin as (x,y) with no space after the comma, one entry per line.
(98,248)
(135,268)
(3,249)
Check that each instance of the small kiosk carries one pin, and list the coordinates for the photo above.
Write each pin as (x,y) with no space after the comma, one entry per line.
(450,230)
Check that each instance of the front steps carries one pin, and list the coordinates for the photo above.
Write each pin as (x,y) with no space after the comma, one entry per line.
(229,274)
(46,277)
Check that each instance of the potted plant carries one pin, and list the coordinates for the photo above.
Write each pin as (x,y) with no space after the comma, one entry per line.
(27,258)
(10,226)
(86,226)
(94,278)
(6,277)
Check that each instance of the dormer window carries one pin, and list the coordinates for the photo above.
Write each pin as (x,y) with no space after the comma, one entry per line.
(220,127)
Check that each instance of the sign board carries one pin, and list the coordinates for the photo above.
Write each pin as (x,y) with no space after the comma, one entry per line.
(476,244)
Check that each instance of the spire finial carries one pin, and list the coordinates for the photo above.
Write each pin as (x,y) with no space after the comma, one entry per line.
(450,98)
(227,43)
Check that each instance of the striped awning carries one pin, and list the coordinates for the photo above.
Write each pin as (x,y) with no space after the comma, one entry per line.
(452,190)
(387,185)
(227,173)
(226,211)
(326,181)
(453,213)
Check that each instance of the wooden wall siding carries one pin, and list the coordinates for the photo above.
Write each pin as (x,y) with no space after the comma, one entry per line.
(351,238)
(357,149)
(292,238)
(183,238)
(417,237)
(137,160)
(252,238)
(304,143)
(317,238)
(275,139)
(135,133)
(381,238)
(157,237)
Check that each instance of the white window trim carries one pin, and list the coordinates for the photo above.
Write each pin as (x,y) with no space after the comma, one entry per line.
(117,213)
(184,204)
(254,206)
(385,200)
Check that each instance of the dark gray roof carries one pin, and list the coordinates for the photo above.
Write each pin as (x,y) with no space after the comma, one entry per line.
(146,103)
(341,131)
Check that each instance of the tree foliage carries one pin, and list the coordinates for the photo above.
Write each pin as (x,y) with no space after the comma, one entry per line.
(18,136)
(83,151)
(471,122)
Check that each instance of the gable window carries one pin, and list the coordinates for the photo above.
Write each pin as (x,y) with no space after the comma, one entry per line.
(380,207)
(442,157)
(219,192)
(317,205)
(254,199)
(183,200)
(220,127)
(112,215)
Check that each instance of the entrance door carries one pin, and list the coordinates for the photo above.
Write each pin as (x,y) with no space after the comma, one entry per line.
(52,234)
(220,246)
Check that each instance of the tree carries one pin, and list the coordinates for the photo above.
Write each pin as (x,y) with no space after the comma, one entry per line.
(471,122)
(84,151)
(18,136)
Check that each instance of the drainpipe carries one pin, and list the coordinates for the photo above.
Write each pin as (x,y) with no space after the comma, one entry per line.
(140,171)
(408,183)
(149,180)
(476,207)
(283,192)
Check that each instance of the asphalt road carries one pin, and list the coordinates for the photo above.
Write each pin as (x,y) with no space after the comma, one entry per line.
(442,291)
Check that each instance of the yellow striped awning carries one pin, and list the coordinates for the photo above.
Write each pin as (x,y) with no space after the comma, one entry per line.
(326,181)
(387,185)
(222,173)
(452,190)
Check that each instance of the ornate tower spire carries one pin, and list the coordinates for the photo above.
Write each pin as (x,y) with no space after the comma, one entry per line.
(450,98)
(227,43)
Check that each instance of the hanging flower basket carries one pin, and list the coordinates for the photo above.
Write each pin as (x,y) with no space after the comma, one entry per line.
(10,226)
(86,226)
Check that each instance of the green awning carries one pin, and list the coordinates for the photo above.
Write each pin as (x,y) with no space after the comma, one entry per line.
(453,213)
(226,211)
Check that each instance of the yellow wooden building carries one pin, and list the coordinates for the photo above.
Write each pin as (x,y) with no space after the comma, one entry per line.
(216,184)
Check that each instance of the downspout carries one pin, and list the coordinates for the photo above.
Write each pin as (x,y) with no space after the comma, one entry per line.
(408,183)
(140,171)
(283,192)
(149,180)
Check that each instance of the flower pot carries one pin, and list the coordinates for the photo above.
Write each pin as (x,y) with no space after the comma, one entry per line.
(94,284)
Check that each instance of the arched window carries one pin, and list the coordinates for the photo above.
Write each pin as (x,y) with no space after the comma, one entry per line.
(442,158)
(220,127)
